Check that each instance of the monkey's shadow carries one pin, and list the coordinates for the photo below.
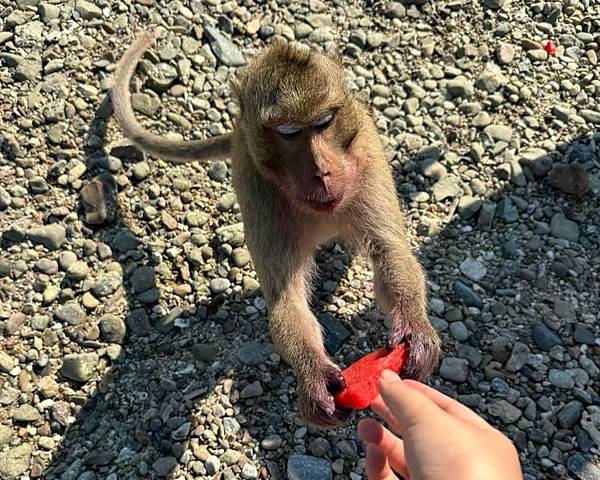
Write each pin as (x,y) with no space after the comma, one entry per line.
(140,420)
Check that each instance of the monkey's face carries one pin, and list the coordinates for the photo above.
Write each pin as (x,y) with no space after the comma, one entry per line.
(309,162)
(299,120)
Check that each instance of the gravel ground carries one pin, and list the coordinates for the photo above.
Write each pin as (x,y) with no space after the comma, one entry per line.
(138,348)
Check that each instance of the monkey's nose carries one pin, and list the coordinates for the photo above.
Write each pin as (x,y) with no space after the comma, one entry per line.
(320,174)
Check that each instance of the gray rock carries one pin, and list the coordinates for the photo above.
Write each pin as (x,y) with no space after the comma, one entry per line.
(254,353)
(205,352)
(78,271)
(231,457)
(591,116)
(271,442)
(8,394)
(562,227)
(145,104)
(335,332)
(543,337)
(70,313)
(112,328)
(108,284)
(212,465)
(561,379)
(583,334)
(473,269)
(498,132)
(165,466)
(460,87)
(491,79)
(161,76)
(505,53)
(569,415)
(218,171)
(6,362)
(26,414)
(142,279)
(249,471)
(6,434)
(459,331)
(252,390)
(454,369)
(88,10)
(223,48)
(219,285)
(305,467)
(518,357)
(138,322)
(48,387)
(141,171)
(537,160)
(79,366)
(197,219)
(15,461)
(51,236)
(506,210)
(583,468)
(447,187)
(467,295)
(504,411)
(495,4)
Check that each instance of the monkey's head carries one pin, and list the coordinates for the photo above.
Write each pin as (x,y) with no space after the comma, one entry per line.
(299,119)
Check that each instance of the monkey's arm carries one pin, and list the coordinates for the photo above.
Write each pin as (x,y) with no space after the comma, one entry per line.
(178,151)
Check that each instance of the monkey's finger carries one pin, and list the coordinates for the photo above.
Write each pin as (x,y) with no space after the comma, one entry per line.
(378,467)
(449,405)
(373,433)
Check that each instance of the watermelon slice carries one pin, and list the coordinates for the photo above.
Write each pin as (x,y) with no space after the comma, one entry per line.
(362,377)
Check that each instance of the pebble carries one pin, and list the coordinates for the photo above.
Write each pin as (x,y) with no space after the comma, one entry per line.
(15,461)
(562,227)
(304,467)
(504,411)
(454,369)
(51,236)
(561,379)
(79,366)
(467,295)
(473,269)
(544,337)
(26,414)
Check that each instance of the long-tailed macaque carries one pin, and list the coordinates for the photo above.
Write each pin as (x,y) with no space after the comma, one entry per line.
(307,165)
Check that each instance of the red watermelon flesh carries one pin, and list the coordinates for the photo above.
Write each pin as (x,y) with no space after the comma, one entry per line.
(362,377)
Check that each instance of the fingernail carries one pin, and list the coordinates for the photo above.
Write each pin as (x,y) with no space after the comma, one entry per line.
(389,376)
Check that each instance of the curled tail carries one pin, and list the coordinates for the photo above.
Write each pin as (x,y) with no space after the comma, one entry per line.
(178,151)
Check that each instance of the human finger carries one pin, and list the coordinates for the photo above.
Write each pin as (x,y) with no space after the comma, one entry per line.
(378,467)
(408,406)
(449,405)
(373,433)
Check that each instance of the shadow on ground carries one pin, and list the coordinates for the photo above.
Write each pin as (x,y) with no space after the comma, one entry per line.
(144,414)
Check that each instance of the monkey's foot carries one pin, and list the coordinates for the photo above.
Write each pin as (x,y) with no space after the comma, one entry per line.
(317,406)
(425,348)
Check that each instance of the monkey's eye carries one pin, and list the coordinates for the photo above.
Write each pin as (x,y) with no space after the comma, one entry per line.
(323,122)
(289,131)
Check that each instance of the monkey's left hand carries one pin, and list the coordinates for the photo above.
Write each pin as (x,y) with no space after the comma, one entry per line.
(425,346)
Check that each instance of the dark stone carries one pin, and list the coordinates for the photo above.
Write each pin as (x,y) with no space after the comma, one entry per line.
(467,295)
(543,337)
(334,331)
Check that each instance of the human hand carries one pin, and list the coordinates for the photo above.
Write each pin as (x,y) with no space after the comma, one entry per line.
(441,438)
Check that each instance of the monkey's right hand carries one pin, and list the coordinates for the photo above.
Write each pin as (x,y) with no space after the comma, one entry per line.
(315,396)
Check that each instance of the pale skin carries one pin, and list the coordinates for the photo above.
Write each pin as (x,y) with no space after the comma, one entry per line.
(307,166)
(440,438)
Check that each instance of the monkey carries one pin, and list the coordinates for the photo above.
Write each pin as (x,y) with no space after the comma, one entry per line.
(307,166)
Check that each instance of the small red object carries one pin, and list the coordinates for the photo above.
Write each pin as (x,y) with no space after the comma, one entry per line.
(362,377)
(550,47)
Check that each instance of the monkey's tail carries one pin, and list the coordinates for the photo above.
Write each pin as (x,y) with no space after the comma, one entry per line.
(175,150)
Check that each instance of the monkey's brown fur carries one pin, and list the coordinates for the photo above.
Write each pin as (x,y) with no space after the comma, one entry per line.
(300,189)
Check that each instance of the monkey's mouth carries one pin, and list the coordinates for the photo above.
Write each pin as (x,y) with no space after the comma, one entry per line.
(325,205)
